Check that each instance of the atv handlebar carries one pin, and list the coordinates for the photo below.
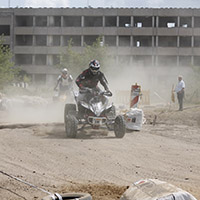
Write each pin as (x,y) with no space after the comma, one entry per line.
(96,92)
(86,89)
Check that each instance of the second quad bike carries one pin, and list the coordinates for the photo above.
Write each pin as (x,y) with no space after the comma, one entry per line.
(92,108)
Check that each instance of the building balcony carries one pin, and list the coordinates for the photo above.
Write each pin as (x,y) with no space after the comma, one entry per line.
(185,31)
(196,51)
(166,51)
(196,31)
(41,69)
(92,30)
(166,31)
(143,31)
(186,51)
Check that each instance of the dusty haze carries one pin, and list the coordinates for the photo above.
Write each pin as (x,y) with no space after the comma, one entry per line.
(158,80)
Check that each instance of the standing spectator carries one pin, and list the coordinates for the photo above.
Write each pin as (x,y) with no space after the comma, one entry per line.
(180,92)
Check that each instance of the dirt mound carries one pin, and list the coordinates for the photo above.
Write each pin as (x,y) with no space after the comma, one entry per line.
(190,116)
(98,191)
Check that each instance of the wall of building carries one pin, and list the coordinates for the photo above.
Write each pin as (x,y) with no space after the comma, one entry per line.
(136,35)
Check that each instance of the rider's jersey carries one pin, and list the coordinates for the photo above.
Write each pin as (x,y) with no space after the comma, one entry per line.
(64,82)
(87,79)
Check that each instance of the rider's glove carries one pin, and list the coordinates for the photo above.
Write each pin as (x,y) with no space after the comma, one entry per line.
(109,92)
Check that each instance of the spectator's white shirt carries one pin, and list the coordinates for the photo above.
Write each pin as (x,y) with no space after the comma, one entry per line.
(180,86)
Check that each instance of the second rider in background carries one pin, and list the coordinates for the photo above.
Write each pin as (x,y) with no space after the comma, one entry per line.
(64,83)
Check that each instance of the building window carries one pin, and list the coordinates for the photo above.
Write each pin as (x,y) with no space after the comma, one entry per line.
(142,41)
(24,40)
(124,21)
(72,21)
(196,41)
(145,21)
(75,39)
(168,22)
(111,21)
(41,21)
(185,60)
(41,40)
(93,21)
(40,59)
(4,30)
(56,60)
(55,21)
(53,59)
(185,41)
(167,60)
(54,40)
(167,41)
(24,21)
(142,60)
(23,59)
(196,60)
(110,40)
(124,59)
(196,22)
(90,39)
(186,22)
(124,41)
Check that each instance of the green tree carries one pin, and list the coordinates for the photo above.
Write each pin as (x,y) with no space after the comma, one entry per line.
(75,61)
(7,71)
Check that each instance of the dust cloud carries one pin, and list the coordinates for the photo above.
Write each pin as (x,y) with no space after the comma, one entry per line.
(158,80)
(39,111)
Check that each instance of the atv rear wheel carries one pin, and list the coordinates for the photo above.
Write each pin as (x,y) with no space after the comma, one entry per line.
(119,126)
(71,125)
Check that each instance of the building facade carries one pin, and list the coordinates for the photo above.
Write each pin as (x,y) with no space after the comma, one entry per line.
(142,36)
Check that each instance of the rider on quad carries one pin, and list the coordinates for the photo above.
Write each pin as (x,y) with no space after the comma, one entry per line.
(64,83)
(93,105)
(89,79)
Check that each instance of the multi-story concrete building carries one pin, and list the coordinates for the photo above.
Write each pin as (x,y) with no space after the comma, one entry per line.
(143,36)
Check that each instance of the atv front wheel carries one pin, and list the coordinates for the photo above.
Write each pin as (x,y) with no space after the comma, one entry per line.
(111,116)
(71,125)
(119,126)
(70,109)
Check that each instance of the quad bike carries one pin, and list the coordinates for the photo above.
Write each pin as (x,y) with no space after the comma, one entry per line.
(94,110)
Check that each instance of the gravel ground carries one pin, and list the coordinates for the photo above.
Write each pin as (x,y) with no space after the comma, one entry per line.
(167,148)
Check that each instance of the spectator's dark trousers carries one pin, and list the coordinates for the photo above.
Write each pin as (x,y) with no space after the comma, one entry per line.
(180,96)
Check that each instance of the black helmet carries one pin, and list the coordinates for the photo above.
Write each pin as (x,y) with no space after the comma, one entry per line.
(94,66)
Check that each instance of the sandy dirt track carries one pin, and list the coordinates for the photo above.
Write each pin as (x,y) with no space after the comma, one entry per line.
(97,162)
